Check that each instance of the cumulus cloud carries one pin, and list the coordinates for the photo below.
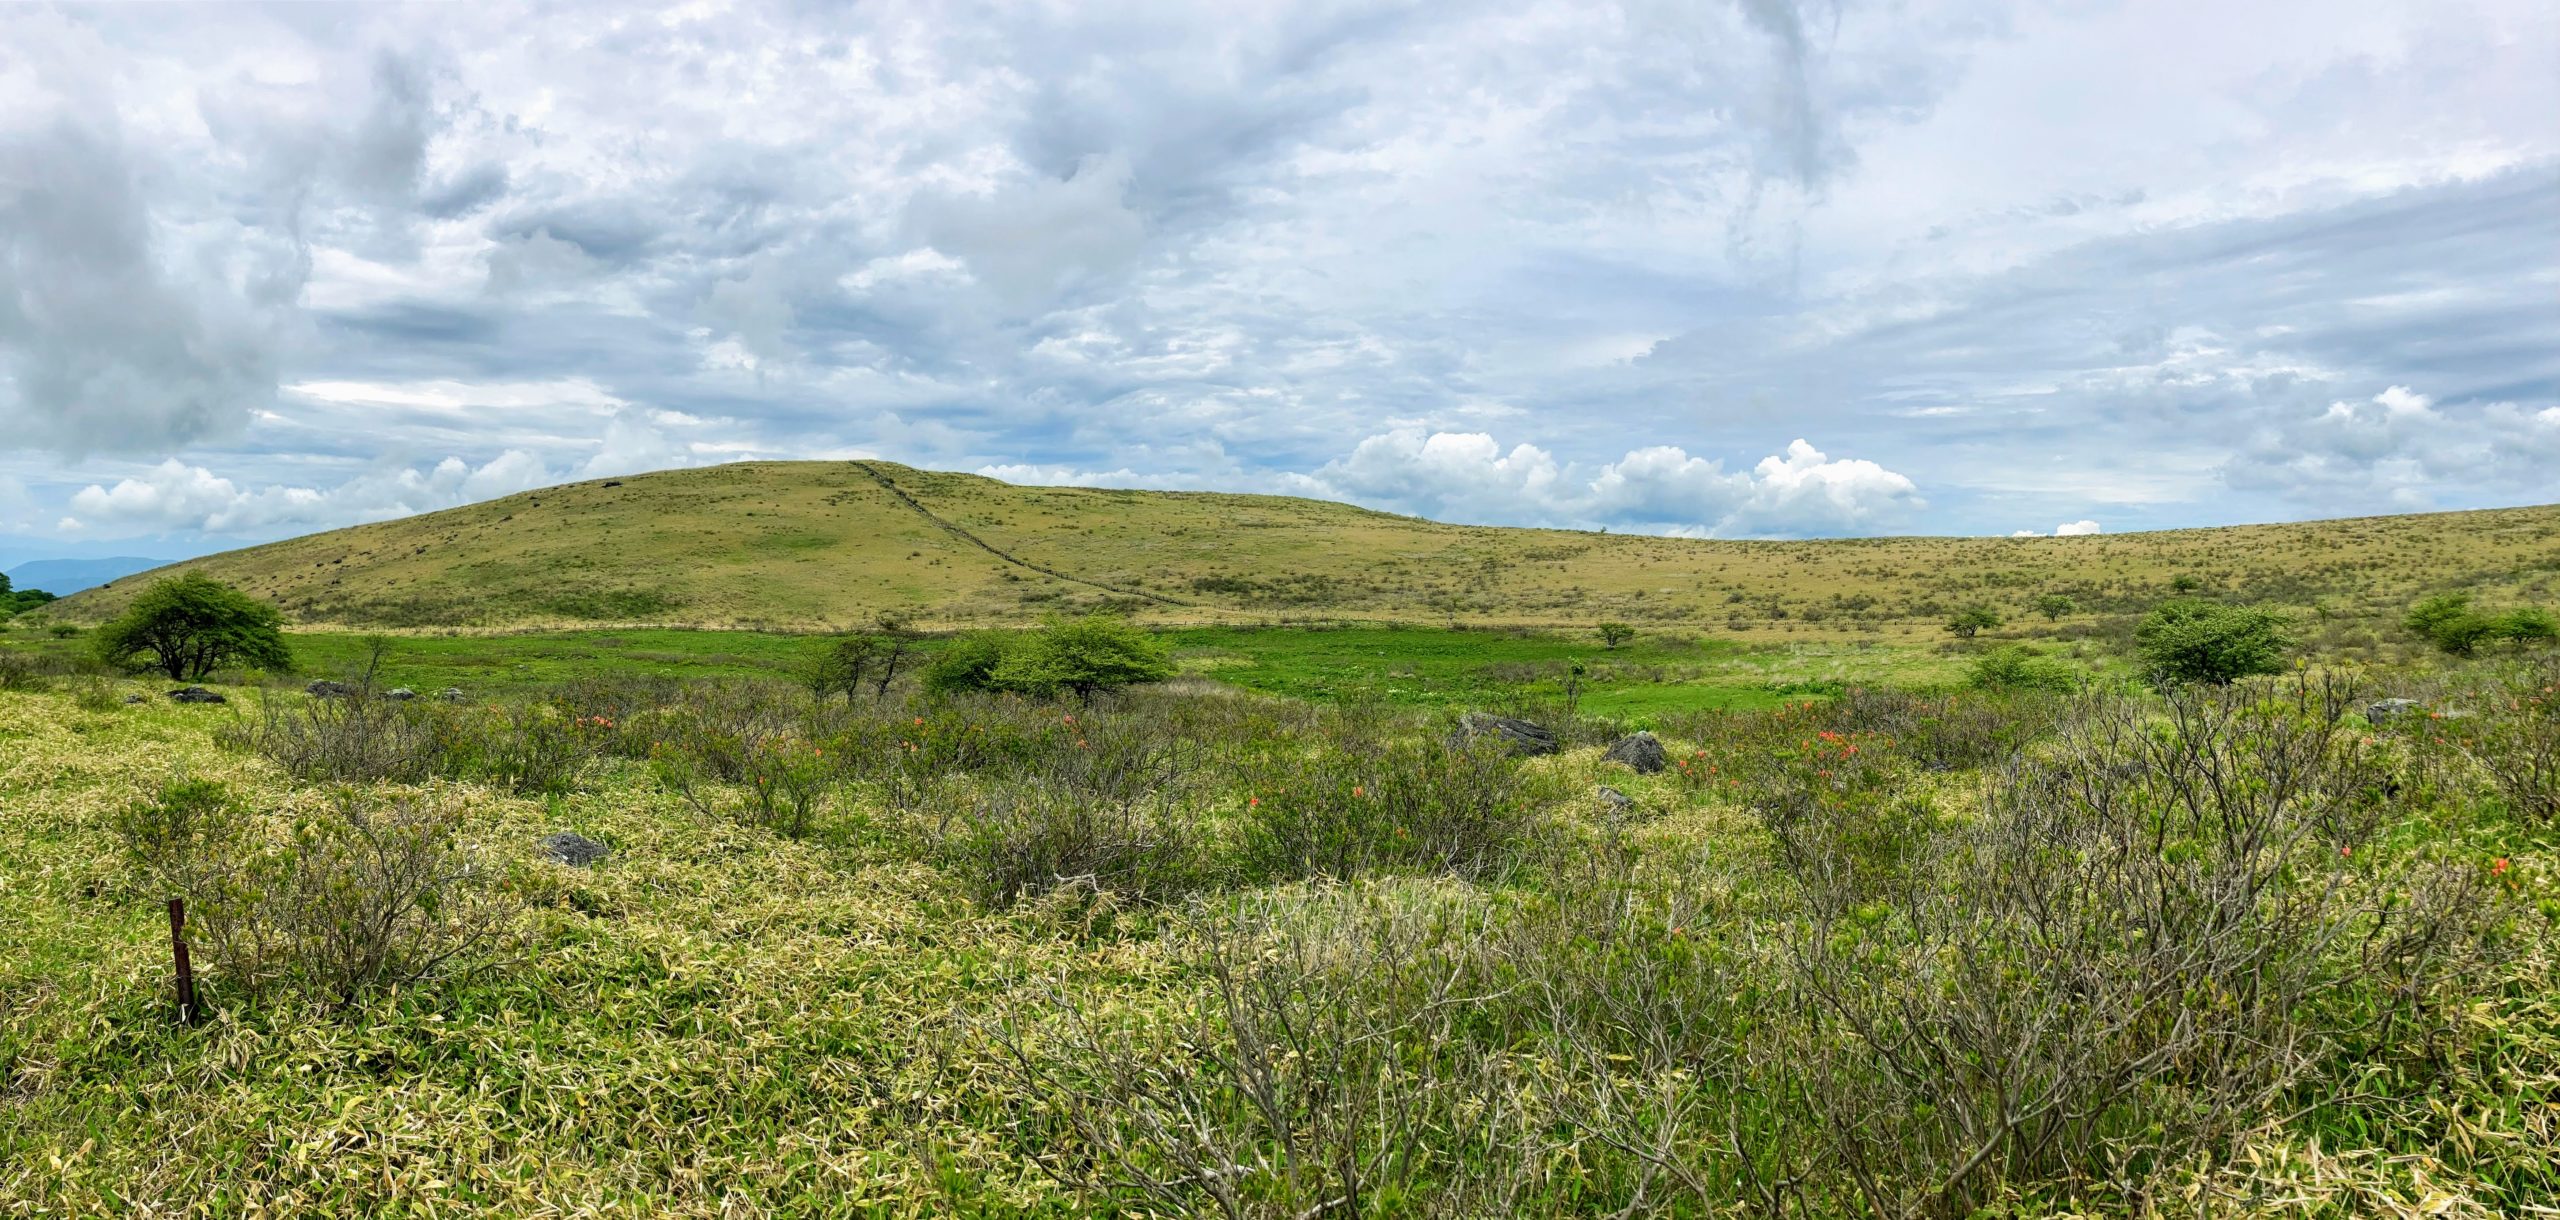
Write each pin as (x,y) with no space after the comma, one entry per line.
(2068,529)
(1470,477)
(178,497)
(2401,444)
(1220,245)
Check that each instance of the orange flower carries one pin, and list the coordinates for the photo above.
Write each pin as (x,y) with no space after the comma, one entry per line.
(2497,866)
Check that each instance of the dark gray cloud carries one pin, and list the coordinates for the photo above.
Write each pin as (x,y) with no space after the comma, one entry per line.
(1746,266)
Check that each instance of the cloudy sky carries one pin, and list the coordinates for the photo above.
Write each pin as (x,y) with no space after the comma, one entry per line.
(1710,267)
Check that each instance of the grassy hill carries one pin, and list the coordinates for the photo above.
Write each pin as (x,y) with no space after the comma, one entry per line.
(833,544)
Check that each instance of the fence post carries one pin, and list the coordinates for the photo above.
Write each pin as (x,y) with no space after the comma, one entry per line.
(178,949)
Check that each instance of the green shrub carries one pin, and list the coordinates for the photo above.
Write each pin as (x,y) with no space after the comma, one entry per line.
(1082,657)
(969,663)
(370,892)
(2449,622)
(188,626)
(2018,667)
(2192,640)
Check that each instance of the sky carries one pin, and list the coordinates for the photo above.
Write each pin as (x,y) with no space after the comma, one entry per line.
(1716,268)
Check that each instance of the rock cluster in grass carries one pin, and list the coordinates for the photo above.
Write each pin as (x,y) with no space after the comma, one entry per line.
(196,694)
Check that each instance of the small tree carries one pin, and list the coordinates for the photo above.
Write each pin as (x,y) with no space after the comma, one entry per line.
(1971,620)
(841,666)
(188,626)
(1614,634)
(1087,655)
(2054,605)
(2190,640)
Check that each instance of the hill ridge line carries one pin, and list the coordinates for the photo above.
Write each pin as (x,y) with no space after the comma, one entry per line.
(956,531)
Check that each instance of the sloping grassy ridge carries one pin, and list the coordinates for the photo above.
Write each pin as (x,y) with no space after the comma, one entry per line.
(813,545)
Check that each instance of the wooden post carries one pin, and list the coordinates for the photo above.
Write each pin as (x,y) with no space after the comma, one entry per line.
(178,949)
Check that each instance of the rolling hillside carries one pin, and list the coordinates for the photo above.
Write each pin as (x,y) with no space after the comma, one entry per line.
(833,544)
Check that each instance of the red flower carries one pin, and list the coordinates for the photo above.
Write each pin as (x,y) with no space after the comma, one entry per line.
(2497,866)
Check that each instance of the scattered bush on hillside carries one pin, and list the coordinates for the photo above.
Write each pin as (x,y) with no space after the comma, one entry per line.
(2449,622)
(188,626)
(1614,634)
(370,892)
(2018,667)
(2190,640)
(2055,605)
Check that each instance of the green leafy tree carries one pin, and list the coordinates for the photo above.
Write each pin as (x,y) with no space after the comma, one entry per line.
(2054,605)
(2187,584)
(188,626)
(2193,640)
(1084,656)
(1972,619)
(1614,634)
(969,663)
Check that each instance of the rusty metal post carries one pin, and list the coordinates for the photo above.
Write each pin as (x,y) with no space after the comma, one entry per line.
(187,1013)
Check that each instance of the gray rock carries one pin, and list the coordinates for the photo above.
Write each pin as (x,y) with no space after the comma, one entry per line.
(399,694)
(1618,802)
(1642,751)
(137,698)
(196,694)
(574,850)
(322,688)
(1519,736)
(450,694)
(2387,710)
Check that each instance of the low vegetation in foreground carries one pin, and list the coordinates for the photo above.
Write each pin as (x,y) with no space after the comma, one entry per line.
(1025,930)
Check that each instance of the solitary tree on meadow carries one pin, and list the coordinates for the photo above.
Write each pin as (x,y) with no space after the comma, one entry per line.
(1614,634)
(188,626)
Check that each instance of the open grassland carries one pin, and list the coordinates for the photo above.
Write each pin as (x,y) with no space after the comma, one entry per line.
(1197,950)
(1415,666)
(831,545)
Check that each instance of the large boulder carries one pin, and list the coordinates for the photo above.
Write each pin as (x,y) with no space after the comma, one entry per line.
(196,694)
(1618,802)
(1642,751)
(450,694)
(1518,736)
(2387,710)
(574,850)
(323,688)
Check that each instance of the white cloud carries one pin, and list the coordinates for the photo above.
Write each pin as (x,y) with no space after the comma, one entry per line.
(2401,444)
(1470,477)
(2068,529)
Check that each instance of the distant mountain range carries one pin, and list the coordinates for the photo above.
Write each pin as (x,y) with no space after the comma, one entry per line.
(64,577)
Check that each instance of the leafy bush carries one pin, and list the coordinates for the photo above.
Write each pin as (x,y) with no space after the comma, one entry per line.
(2192,640)
(1408,805)
(2018,667)
(1082,657)
(2055,605)
(2449,622)
(969,663)
(188,626)
(370,892)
